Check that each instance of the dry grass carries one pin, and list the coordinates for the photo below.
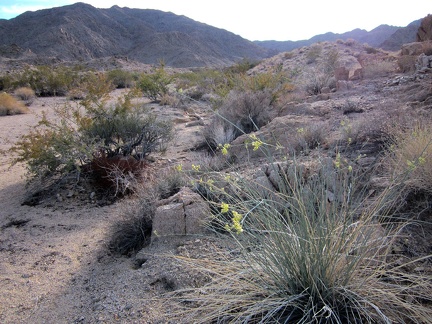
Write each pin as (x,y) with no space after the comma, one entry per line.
(312,252)
(26,94)
(10,106)
(410,152)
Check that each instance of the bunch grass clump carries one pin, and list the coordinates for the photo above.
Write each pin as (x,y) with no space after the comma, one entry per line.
(410,152)
(315,249)
(11,106)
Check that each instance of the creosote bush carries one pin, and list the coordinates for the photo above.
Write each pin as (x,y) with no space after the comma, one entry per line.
(109,141)
(154,85)
(11,106)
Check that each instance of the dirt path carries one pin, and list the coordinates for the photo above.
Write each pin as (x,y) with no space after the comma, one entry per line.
(54,264)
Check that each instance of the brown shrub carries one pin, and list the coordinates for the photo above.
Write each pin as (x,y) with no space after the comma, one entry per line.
(118,172)
(11,106)
(26,94)
(406,63)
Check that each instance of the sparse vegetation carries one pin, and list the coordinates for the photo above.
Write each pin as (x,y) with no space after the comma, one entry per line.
(313,204)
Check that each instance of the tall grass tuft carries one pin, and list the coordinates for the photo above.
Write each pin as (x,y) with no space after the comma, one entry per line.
(11,106)
(315,249)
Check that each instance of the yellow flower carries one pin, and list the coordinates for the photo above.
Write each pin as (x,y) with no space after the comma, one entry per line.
(338,161)
(179,167)
(300,130)
(421,160)
(224,148)
(224,208)
(350,168)
(195,167)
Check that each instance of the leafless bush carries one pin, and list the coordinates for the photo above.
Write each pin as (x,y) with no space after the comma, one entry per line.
(406,63)
(314,81)
(241,113)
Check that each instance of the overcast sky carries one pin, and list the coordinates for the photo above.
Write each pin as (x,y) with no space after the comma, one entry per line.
(264,20)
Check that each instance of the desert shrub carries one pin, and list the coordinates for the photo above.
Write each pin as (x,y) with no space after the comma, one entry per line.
(314,53)
(11,106)
(131,233)
(169,183)
(378,68)
(309,138)
(315,80)
(108,140)
(241,113)
(6,82)
(406,63)
(410,152)
(121,78)
(313,251)
(154,85)
(48,81)
(25,94)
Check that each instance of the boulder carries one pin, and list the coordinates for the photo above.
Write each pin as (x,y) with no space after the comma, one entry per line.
(182,214)
(348,69)
(424,33)
(416,48)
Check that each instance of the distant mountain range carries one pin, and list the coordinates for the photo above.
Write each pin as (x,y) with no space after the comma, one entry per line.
(386,37)
(80,32)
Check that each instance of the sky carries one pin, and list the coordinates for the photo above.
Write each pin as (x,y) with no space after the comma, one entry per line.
(263,20)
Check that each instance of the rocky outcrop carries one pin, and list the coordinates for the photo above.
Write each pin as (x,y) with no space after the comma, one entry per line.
(417,48)
(424,32)
(349,69)
(182,214)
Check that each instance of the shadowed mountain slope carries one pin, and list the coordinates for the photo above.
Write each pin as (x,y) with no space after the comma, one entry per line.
(82,32)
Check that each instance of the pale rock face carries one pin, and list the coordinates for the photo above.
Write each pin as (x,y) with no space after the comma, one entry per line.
(349,69)
(182,214)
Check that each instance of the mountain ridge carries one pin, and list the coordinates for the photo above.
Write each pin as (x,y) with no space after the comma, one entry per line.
(384,36)
(82,32)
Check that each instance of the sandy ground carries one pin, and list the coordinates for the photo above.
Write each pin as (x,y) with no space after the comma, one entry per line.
(54,263)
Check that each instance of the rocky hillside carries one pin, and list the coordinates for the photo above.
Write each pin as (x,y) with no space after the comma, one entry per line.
(384,36)
(80,32)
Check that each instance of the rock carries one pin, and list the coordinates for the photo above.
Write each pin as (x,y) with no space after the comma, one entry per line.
(343,85)
(182,214)
(349,69)
(424,33)
(423,62)
(416,48)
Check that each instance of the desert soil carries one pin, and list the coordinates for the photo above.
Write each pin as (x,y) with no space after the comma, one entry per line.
(55,266)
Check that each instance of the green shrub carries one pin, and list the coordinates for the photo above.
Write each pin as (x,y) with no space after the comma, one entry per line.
(121,78)
(108,140)
(155,85)
(10,106)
